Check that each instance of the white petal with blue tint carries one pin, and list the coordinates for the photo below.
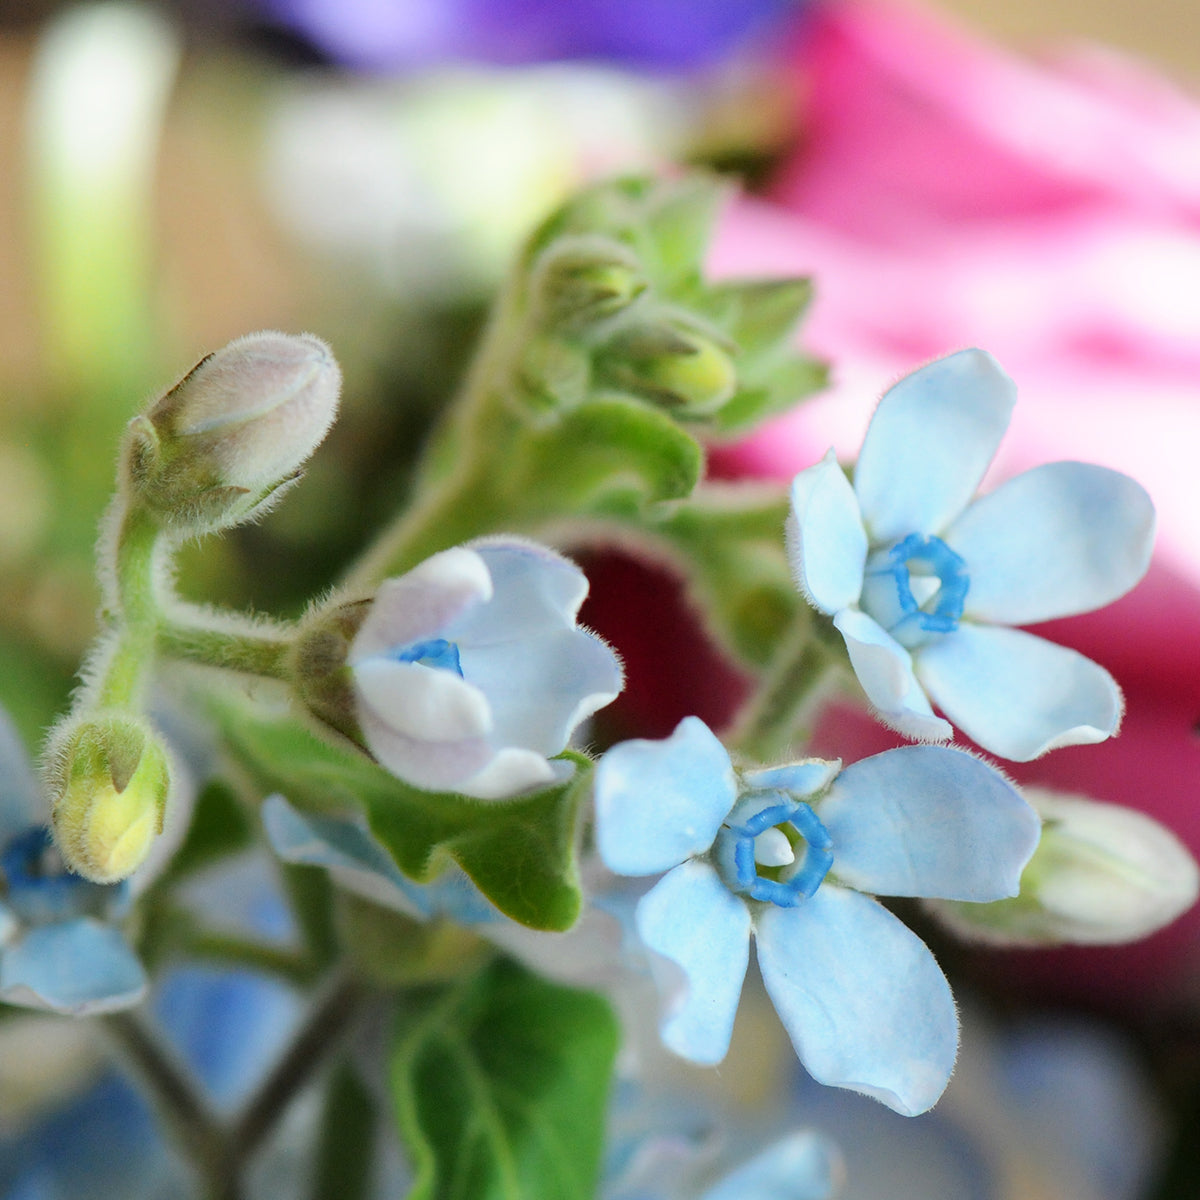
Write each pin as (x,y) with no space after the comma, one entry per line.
(422,602)
(929,444)
(802,1166)
(929,821)
(1060,539)
(77,967)
(826,542)
(885,671)
(800,778)
(691,918)
(1016,694)
(538,690)
(512,771)
(533,589)
(422,702)
(864,1002)
(660,802)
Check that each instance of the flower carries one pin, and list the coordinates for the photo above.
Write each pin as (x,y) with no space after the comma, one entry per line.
(923,584)
(862,999)
(470,672)
(659,33)
(57,950)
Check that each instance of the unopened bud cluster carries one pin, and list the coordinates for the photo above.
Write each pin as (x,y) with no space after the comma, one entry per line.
(240,425)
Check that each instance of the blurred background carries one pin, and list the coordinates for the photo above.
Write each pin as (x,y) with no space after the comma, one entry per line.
(1025,176)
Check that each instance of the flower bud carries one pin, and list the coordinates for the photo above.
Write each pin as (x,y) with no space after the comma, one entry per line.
(580,280)
(676,366)
(110,781)
(236,428)
(1102,874)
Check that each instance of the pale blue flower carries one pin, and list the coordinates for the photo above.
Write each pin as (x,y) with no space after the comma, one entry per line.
(356,861)
(786,853)
(924,583)
(470,672)
(58,950)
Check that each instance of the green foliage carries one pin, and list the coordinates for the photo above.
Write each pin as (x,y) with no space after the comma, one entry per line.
(501,1087)
(519,852)
(729,541)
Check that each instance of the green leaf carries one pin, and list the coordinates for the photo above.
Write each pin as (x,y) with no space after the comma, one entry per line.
(519,852)
(610,455)
(766,388)
(501,1089)
(730,539)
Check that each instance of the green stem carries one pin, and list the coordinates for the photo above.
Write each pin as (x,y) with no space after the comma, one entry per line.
(230,647)
(315,1041)
(772,720)
(184,1110)
(137,554)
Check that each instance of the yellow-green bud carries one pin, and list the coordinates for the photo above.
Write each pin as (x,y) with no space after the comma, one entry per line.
(240,424)
(577,281)
(676,366)
(110,781)
(1102,874)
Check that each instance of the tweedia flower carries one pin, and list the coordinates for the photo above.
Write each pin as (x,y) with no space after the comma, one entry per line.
(786,853)
(470,672)
(923,582)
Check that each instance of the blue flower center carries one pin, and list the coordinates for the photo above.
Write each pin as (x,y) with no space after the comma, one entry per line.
(756,854)
(40,890)
(916,589)
(435,652)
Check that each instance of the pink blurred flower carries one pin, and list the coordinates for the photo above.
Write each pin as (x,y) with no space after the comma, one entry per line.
(948,194)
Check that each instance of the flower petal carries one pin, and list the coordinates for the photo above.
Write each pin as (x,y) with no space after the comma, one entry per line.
(421,702)
(438,766)
(864,1002)
(76,967)
(929,821)
(801,1166)
(533,587)
(826,541)
(1061,539)
(357,862)
(512,771)
(660,802)
(693,919)
(540,688)
(929,444)
(885,670)
(1016,694)
(422,603)
(800,779)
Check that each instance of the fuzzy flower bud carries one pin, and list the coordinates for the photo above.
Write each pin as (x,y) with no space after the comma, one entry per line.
(1102,874)
(110,781)
(585,279)
(679,367)
(238,427)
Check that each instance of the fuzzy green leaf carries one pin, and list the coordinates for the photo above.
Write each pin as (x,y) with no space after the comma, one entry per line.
(519,852)
(501,1088)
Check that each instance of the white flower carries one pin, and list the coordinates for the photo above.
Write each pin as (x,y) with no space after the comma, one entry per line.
(470,671)
(923,582)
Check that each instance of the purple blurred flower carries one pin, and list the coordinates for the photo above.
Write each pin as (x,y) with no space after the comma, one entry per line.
(386,34)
